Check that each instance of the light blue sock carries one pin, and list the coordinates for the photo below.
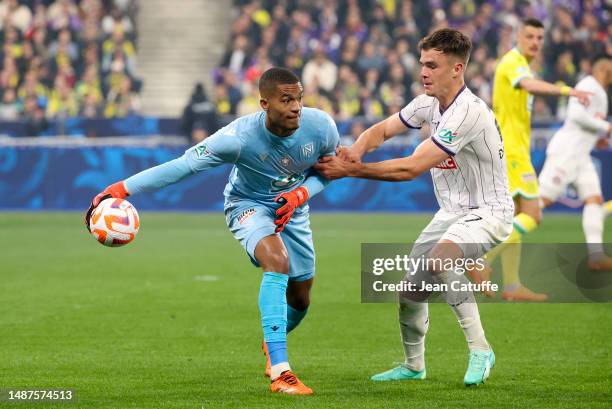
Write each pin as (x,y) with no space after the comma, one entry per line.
(294,317)
(273,308)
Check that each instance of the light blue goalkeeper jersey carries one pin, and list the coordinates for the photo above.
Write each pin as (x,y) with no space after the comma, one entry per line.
(265,165)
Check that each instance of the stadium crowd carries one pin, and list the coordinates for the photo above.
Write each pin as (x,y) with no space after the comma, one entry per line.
(360,57)
(67,58)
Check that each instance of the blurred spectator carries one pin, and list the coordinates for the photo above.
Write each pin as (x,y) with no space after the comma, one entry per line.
(373,45)
(320,70)
(237,58)
(56,59)
(122,101)
(62,101)
(357,128)
(63,14)
(9,76)
(116,21)
(9,109)
(14,14)
(199,118)
(34,115)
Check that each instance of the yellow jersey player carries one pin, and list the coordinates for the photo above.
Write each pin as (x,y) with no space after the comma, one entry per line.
(513,91)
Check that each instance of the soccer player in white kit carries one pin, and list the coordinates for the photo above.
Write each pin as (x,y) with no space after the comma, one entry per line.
(568,159)
(465,154)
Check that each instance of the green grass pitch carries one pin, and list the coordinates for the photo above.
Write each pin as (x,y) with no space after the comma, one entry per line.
(171,321)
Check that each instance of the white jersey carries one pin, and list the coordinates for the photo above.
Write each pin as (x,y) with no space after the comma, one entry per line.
(583,125)
(474,176)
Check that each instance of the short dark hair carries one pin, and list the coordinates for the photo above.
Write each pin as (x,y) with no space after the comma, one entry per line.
(273,77)
(448,41)
(533,22)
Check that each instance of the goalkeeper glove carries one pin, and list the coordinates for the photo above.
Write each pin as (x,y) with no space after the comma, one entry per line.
(116,190)
(289,201)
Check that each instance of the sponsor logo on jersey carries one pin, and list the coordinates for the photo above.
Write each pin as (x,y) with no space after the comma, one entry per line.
(285,182)
(202,151)
(446,135)
(448,163)
(246,214)
(308,150)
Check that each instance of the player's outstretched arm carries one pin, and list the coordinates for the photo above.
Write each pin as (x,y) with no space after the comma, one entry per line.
(539,87)
(587,121)
(214,151)
(426,156)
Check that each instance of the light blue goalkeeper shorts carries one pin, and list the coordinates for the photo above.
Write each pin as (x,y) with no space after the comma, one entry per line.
(251,221)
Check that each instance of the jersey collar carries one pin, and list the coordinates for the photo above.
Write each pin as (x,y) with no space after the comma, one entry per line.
(453,101)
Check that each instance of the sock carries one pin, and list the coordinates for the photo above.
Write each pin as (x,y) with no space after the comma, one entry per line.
(593,226)
(464,306)
(414,322)
(511,261)
(294,317)
(511,254)
(273,308)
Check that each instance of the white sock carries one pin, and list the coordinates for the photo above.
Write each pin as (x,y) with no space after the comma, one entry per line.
(278,369)
(593,226)
(414,322)
(464,306)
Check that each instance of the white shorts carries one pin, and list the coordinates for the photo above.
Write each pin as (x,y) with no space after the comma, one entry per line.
(559,172)
(476,232)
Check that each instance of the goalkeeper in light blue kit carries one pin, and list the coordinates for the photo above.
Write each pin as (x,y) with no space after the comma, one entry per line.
(265,202)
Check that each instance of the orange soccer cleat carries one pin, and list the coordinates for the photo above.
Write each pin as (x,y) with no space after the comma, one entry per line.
(289,383)
(268,371)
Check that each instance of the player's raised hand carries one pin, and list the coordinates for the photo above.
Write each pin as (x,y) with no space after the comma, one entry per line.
(347,153)
(116,190)
(333,167)
(289,201)
(583,96)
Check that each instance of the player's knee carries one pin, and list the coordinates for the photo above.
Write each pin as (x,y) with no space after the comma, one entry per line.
(598,200)
(279,263)
(299,301)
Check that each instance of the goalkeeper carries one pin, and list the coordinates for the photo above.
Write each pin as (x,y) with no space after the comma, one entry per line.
(273,153)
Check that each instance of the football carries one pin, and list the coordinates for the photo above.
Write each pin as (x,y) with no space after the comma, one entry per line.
(114,222)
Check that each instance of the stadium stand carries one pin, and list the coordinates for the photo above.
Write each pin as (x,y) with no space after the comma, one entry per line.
(65,58)
(360,58)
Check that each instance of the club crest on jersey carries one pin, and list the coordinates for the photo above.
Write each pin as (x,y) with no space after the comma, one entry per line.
(446,135)
(263,156)
(245,215)
(448,163)
(202,151)
(307,150)
(285,161)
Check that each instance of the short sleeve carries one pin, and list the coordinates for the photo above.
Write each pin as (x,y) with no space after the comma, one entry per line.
(415,113)
(516,71)
(332,137)
(459,129)
(221,147)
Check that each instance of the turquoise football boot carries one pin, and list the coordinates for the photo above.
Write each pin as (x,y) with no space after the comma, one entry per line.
(399,373)
(479,367)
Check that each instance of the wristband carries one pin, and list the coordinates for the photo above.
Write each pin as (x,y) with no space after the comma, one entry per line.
(565,90)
